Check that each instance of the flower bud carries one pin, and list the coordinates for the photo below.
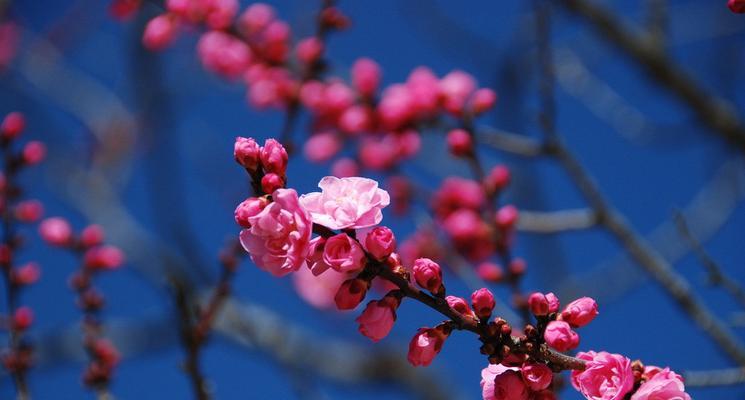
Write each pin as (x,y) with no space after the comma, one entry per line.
(256,18)
(499,177)
(274,157)
(343,254)
(91,236)
(250,207)
(428,274)
(483,303)
(580,312)
(376,321)
(538,304)
(365,76)
(537,376)
(425,345)
(482,100)
(309,50)
(507,217)
(553,303)
(34,152)
(560,336)
(351,293)
(460,305)
(103,257)
(29,211)
(517,266)
(246,152)
(159,32)
(271,182)
(490,272)
(26,274)
(22,318)
(380,242)
(460,142)
(12,125)
(736,6)
(56,231)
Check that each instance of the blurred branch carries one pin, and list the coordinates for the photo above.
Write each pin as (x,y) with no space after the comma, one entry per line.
(717,277)
(715,377)
(717,113)
(556,221)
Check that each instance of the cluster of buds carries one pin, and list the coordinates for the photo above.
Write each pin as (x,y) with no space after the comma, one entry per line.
(266,165)
(96,256)
(17,357)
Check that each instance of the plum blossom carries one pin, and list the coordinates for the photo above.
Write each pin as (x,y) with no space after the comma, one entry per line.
(346,203)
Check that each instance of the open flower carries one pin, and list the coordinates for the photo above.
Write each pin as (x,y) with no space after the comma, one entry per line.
(606,377)
(664,385)
(279,237)
(346,203)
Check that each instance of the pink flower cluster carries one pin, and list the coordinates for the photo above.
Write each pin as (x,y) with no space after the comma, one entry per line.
(559,333)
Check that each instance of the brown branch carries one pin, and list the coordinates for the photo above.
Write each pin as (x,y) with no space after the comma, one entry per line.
(717,276)
(715,112)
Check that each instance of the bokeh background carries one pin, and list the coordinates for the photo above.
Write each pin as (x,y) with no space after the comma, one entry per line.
(142,143)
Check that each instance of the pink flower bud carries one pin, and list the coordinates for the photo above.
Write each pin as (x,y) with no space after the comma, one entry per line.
(12,125)
(507,217)
(256,17)
(26,274)
(538,304)
(380,242)
(344,168)
(355,119)
(428,274)
(103,257)
(274,157)
(378,318)
(736,6)
(537,376)
(459,142)
(159,32)
(23,318)
(490,272)
(92,235)
(56,231)
(249,208)
(553,303)
(309,50)
(351,293)
(483,303)
(460,305)
(224,54)
(665,384)
(580,312)
(517,266)
(322,146)
(425,345)
(343,254)
(560,336)
(221,13)
(271,182)
(499,177)
(246,152)
(29,211)
(366,76)
(34,152)
(455,89)
(482,100)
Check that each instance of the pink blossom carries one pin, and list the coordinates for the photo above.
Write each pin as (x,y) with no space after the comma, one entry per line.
(502,383)
(351,293)
(736,6)
(459,142)
(92,235)
(396,106)
(279,238)
(56,231)
(355,119)
(427,274)
(366,76)
(256,17)
(457,193)
(507,217)
(376,321)
(346,203)
(490,271)
(483,302)
(580,312)
(337,97)
(664,385)
(103,257)
(318,291)
(460,305)
(29,210)
(13,124)
(223,54)
(498,179)
(423,87)
(379,153)
(309,50)
(380,242)
(34,152)
(315,256)
(343,254)
(159,32)
(606,376)
(455,89)
(425,345)
(553,302)
(26,274)
(538,304)
(23,317)
(344,168)
(483,100)
(220,13)
(321,146)
(560,336)
(469,233)
(537,376)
